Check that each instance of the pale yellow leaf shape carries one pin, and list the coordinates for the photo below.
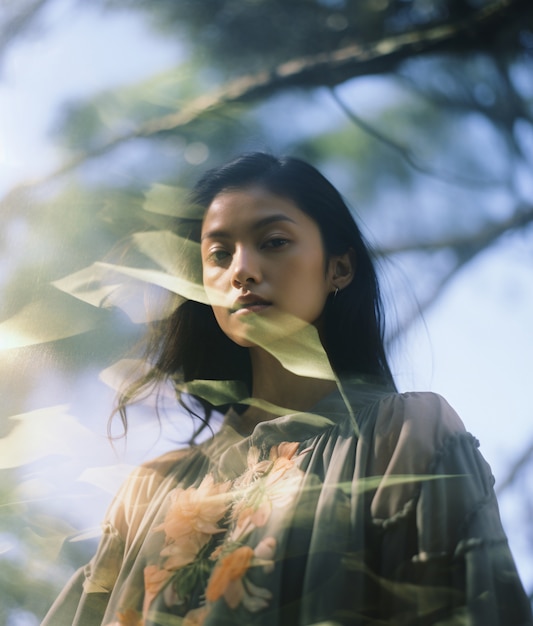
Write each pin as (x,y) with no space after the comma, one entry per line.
(46,320)
(301,353)
(89,533)
(43,432)
(101,287)
(86,285)
(46,534)
(392,480)
(174,284)
(109,285)
(295,344)
(220,392)
(176,255)
(116,375)
(217,392)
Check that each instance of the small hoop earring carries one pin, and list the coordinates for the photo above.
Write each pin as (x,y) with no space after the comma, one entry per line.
(335,293)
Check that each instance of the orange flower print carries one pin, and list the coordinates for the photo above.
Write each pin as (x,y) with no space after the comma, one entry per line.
(226,578)
(196,510)
(229,581)
(264,553)
(196,617)
(179,554)
(280,458)
(154,580)
(191,521)
(256,468)
(129,617)
(266,485)
(286,450)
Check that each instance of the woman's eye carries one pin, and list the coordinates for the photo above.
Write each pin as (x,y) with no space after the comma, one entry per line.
(276,242)
(217,256)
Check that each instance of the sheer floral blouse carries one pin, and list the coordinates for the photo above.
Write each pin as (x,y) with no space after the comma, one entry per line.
(381,514)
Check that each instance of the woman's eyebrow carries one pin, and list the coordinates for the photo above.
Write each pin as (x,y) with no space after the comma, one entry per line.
(265,221)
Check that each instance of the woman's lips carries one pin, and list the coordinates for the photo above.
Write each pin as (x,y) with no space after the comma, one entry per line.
(256,307)
(250,303)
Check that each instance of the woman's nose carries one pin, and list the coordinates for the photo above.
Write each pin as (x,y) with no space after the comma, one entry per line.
(246,268)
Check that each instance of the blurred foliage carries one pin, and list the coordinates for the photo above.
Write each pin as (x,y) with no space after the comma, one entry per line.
(237,36)
(438,166)
(30,541)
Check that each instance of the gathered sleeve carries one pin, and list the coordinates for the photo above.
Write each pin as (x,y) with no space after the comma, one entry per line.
(84,600)
(441,545)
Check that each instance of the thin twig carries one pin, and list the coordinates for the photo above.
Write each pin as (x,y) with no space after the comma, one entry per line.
(408,155)
(521,217)
(518,466)
(467,249)
(19,23)
(423,305)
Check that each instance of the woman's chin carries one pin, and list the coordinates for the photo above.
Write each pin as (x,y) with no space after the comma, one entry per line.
(264,330)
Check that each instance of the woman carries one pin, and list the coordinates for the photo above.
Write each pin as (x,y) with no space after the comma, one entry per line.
(326,496)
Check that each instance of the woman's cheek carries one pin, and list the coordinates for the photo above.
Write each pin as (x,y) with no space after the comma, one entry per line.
(211,293)
(211,285)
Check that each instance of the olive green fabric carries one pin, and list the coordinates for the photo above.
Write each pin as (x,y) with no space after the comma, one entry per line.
(380,513)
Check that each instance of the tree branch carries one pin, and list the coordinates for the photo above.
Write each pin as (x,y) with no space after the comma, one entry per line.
(422,306)
(328,69)
(18,23)
(408,155)
(524,459)
(477,242)
(466,248)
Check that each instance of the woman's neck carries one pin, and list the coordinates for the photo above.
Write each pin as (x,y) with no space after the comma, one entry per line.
(274,384)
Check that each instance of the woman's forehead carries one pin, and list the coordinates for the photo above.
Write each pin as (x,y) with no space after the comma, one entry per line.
(252,207)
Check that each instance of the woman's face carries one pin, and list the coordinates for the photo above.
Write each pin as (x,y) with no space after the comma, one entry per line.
(263,258)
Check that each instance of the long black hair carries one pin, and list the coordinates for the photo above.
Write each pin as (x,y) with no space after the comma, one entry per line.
(189,345)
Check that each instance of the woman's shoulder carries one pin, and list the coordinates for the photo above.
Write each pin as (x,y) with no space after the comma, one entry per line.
(389,414)
(165,463)
(421,414)
(140,489)
(146,478)
(412,428)
(412,431)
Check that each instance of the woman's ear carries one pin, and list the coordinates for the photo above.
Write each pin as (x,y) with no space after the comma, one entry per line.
(341,269)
